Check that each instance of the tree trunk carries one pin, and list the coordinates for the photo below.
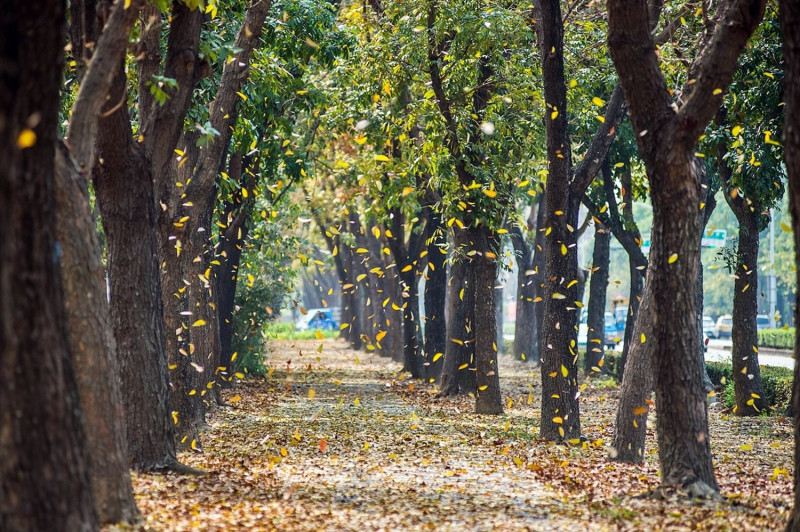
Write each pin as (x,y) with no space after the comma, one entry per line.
(44,459)
(634,302)
(91,341)
(790,30)
(435,294)
(498,314)
(635,400)
(412,361)
(525,325)
(458,370)
(126,200)
(666,133)
(598,285)
(487,378)
(226,280)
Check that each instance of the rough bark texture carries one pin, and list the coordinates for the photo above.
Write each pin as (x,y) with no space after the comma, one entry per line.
(91,334)
(44,468)
(560,418)
(598,285)
(435,294)
(126,200)
(790,29)
(91,341)
(487,379)
(666,134)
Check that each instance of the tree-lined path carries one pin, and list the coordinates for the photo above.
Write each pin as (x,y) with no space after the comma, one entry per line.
(342,440)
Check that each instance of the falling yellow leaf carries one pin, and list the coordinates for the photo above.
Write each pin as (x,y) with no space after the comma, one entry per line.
(672,258)
(199,323)
(26,139)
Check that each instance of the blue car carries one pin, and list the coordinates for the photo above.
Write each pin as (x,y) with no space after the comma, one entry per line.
(610,333)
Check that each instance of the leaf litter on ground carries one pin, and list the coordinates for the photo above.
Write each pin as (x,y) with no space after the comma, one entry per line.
(342,440)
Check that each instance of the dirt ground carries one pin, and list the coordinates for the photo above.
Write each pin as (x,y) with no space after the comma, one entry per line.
(334,439)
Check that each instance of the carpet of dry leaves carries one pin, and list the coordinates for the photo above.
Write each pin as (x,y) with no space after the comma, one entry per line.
(335,439)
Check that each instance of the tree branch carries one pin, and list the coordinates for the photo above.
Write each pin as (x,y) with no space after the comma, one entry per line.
(94,89)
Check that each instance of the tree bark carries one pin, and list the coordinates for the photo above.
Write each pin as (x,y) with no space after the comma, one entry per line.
(667,134)
(458,370)
(748,389)
(435,295)
(487,378)
(91,341)
(44,459)
(525,326)
(790,30)
(126,200)
(598,285)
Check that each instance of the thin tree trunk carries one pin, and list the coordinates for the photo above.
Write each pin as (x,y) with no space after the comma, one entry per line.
(487,378)
(525,324)
(748,391)
(44,459)
(458,370)
(598,285)
(435,294)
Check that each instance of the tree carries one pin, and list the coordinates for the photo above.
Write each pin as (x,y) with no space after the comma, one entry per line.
(667,133)
(790,31)
(598,285)
(89,322)
(564,190)
(44,459)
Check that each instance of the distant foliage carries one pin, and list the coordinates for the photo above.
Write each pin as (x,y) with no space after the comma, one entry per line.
(777,338)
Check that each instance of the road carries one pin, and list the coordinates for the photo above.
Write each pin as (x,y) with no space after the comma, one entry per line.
(720,351)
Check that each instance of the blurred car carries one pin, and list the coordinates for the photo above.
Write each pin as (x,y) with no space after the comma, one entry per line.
(611,336)
(723,327)
(763,322)
(318,318)
(708,327)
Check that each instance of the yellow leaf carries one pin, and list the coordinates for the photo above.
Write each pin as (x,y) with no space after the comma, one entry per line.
(716,91)
(490,193)
(598,102)
(241,95)
(672,258)
(26,139)
(356,402)
(199,323)
(311,393)
(235,399)
(380,336)
(437,356)
(564,371)
(382,158)
(786,227)
(556,295)
(553,115)
(407,268)
(407,190)
(558,420)
(736,130)
(643,338)
(563,249)
(481,388)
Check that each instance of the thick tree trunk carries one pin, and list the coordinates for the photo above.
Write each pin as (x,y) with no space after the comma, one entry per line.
(44,459)
(91,341)
(598,285)
(666,133)
(678,371)
(790,30)
(125,197)
(435,294)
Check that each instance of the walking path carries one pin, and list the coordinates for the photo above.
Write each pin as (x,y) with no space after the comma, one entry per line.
(340,440)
